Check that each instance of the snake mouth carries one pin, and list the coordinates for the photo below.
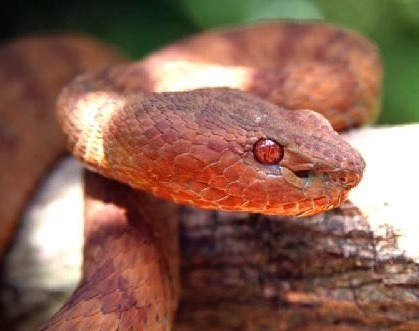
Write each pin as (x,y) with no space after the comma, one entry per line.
(314,184)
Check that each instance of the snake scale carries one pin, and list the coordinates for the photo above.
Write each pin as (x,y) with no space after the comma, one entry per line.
(221,120)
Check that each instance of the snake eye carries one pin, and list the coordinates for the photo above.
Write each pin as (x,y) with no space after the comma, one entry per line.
(268,151)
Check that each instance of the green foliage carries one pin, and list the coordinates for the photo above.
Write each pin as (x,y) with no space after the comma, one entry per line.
(401,89)
(142,26)
(212,13)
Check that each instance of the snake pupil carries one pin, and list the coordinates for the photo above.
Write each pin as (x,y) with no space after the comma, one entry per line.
(268,151)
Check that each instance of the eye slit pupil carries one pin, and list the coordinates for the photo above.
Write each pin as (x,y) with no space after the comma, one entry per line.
(268,151)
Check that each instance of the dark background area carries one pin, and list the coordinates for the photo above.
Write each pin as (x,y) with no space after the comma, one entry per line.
(138,27)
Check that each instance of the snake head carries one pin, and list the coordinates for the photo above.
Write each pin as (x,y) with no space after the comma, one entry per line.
(311,171)
(302,165)
(199,148)
(317,168)
(310,167)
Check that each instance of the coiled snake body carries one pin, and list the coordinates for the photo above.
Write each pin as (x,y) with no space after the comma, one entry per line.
(207,121)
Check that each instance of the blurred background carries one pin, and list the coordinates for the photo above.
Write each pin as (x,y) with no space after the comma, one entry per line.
(139,27)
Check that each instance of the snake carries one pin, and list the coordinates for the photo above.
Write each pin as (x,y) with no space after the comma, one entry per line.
(240,119)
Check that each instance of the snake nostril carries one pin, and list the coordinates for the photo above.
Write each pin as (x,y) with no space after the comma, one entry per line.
(342,179)
(347,180)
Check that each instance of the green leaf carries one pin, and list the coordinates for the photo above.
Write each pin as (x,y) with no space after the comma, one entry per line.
(209,13)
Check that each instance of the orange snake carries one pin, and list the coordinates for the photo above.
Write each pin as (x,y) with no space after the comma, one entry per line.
(176,125)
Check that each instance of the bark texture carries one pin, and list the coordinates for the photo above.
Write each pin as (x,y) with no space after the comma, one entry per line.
(328,272)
